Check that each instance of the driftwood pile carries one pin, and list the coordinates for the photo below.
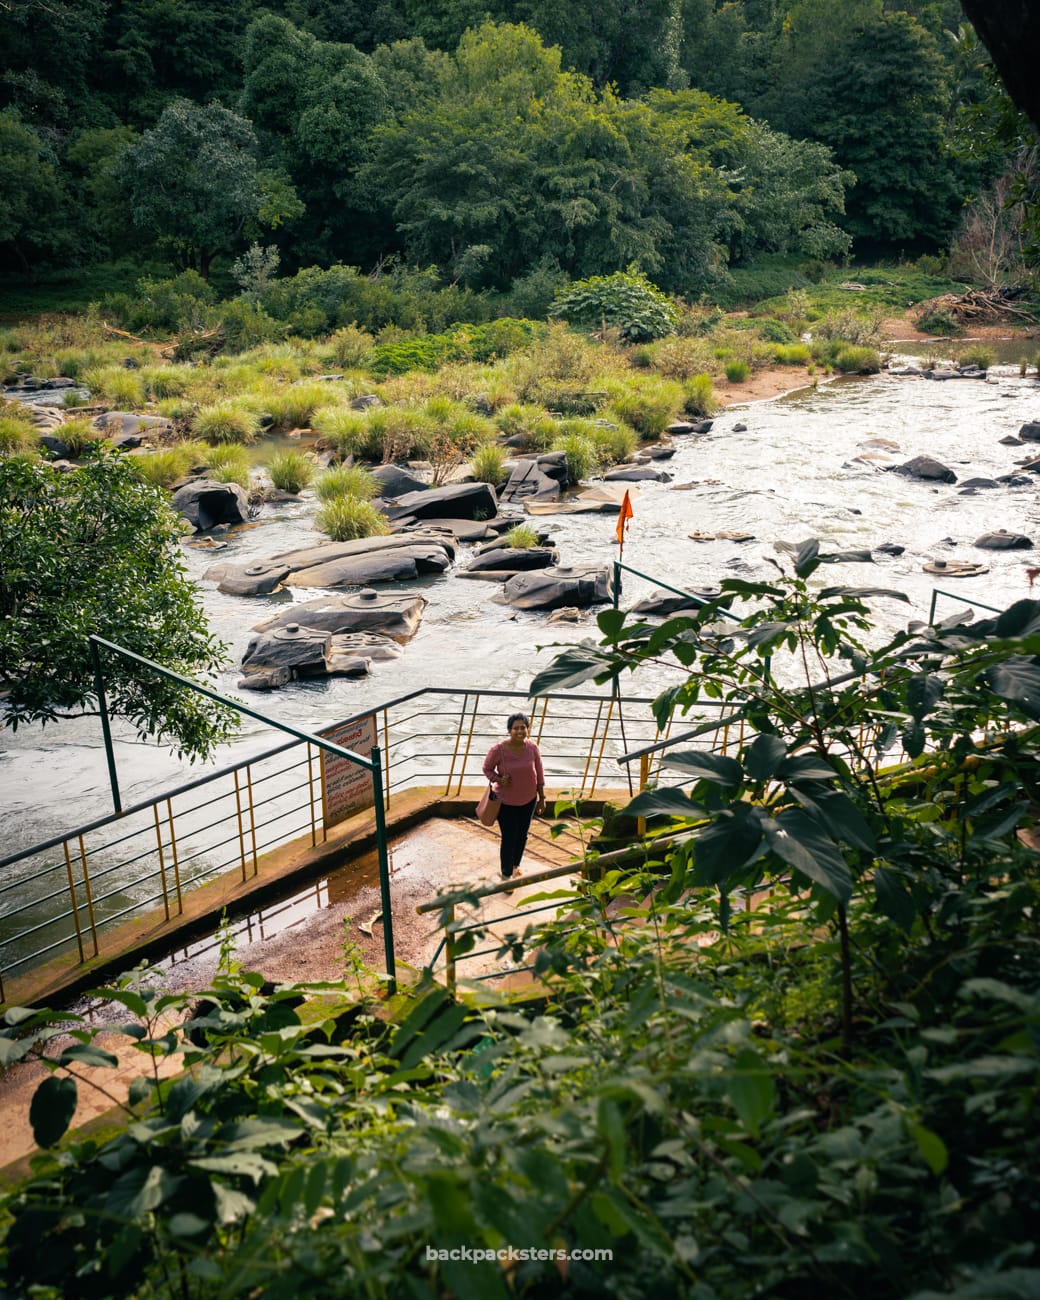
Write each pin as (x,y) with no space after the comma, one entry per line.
(978,306)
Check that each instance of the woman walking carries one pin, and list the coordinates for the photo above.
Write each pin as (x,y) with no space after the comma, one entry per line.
(515,766)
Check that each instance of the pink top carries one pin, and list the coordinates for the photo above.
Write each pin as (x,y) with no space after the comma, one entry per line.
(524,769)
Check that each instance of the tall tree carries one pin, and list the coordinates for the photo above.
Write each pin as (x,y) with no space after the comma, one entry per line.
(194,181)
(34,224)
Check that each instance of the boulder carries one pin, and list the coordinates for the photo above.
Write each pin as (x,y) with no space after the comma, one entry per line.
(661,604)
(528,482)
(1030,431)
(114,423)
(551,588)
(351,654)
(288,648)
(365,401)
(926,467)
(1002,540)
(690,426)
(205,504)
(740,427)
(258,579)
(971,484)
(395,616)
(396,482)
(890,548)
(450,501)
(515,559)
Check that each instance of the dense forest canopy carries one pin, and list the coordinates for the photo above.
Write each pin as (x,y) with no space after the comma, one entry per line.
(493,140)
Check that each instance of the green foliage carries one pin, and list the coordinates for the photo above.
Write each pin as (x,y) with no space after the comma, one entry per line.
(937,320)
(700,396)
(291,471)
(17,432)
(228,463)
(165,466)
(580,451)
(626,301)
(96,551)
(792,354)
(115,385)
(737,370)
(78,434)
(649,406)
(424,352)
(351,347)
(346,517)
(293,406)
(977,355)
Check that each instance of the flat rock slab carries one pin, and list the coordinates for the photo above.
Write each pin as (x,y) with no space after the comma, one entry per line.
(551,588)
(365,560)
(690,426)
(392,564)
(396,482)
(528,482)
(517,559)
(397,616)
(954,568)
(728,536)
(601,498)
(250,579)
(637,474)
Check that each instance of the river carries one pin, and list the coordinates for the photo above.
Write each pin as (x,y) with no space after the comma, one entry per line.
(790,474)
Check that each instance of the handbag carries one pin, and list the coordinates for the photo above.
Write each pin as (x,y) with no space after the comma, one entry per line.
(488,807)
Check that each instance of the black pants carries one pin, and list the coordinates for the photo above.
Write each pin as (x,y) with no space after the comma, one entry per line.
(514,821)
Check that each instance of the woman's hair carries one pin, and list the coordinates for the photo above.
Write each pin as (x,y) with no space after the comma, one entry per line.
(518,717)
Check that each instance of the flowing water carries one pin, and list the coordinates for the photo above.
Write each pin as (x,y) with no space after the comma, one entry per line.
(790,474)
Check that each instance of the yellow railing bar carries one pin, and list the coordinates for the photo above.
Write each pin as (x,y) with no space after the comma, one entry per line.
(90,900)
(75,905)
(162,862)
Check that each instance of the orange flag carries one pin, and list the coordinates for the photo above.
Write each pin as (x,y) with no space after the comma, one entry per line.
(624,515)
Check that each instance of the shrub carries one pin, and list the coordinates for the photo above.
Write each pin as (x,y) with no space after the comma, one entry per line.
(700,396)
(422,352)
(345,518)
(737,370)
(489,464)
(226,421)
(167,381)
(345,430)
(862,329)
(937,320)
(626,300)
(680,358)
(517,421)
(977,355)
(521,538)
(346,480)
(499,338)
(291,471)
(245,324)
(774,331)
(351,347)
(857,360)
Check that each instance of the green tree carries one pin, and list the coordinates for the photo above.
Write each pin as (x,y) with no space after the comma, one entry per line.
(194,180)
(32,200)
(95,551)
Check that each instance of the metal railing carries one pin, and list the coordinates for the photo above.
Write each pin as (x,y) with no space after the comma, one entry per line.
(961,600)
(68,894)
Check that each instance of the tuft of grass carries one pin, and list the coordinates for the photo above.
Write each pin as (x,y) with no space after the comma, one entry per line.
(294,407)
(853,360)
(347,517)
(228,463)
(16,435)
(977,355)
(737,370)
(648,405)
(489,464)
(580,453)
(123,388)
(351,347)
(78,435)
(521,538)
(166,466)
(226,421)
(291,471)
(346,480)
(792,354)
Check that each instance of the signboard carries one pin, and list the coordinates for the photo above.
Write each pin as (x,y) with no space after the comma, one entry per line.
(346,787)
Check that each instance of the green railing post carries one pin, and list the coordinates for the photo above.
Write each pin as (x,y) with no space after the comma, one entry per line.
(384,870)
(617,582)
(106,731)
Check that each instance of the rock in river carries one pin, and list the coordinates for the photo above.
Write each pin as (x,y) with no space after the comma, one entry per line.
(397,616)
(551,588)
(1002,540)
(205,504)
(926,467)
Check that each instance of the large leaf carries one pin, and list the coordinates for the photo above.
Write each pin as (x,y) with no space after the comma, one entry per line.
(578,664)
(664,803)
(894,899)
(731,841)
(763,757)
(1020,619)
(798,840)
(751,1090)
(1017,679)
(705,766)
(859,592)
(923,692)
(52,1108)
(844,821)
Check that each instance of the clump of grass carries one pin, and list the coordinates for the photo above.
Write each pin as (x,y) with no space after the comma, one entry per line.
(700,396)
(489,464)
(347,517)
(226,421)
(165,466)
(853,360)
(519,420)
(294,407)
(977,355)
(228,463)
(679,358)
(168,381)
(614,443)
(345,430)
(113,384)
(291,471)
(78,435)
(15,434)
(792,354)
(521,538)
(346,480)
(580,453)
(648,406)
(737,370)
